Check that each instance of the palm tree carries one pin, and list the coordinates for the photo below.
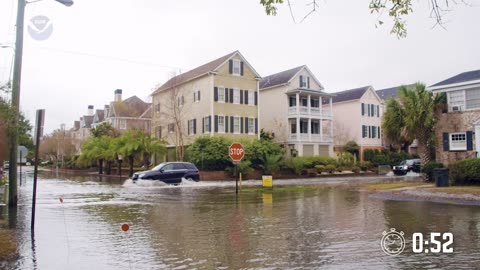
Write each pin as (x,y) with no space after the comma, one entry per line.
(130,145)
(412,118)
(95,149)
(151,146)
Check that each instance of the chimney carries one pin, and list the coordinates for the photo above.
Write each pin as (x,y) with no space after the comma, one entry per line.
(90,110)
(118,95)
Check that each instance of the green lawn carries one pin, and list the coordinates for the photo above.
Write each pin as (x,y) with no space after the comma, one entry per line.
(393,185)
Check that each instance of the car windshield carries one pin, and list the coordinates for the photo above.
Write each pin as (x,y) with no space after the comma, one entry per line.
(158,167)
(403,163)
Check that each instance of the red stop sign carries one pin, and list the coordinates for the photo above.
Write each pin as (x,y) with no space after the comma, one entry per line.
(236,152)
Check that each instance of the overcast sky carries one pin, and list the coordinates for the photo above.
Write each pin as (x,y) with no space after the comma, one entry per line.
(99,46)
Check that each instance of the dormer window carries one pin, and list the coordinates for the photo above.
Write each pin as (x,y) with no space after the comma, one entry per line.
(304,81)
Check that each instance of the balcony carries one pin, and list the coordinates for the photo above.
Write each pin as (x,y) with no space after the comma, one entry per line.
(313,138)
(312,111)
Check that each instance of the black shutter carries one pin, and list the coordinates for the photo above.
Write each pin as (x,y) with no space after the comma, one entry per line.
(241,68)
(216,123)
(363,109)
(364,131)
(379,132)
(203,124)
(188,126)
(195,126)
(198,96)
(241,124)
(308,82)
(231,95)
(301,80)
(194,96)
(231,124)
(241,96)
(230,66)
(446,141)
(470,140)
(246,124)
(256,125)
(378,111)
(215,93)
(226,95)
(246,97)
(226,124)
(256,98)
(209,123)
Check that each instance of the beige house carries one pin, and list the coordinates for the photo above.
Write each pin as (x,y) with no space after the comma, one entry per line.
(131,113)
(457,129)
(294,107)
(358,117)
(219,98)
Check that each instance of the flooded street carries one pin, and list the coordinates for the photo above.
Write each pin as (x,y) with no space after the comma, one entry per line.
(204,226)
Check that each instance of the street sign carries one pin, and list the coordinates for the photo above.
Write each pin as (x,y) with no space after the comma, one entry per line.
(22,154)
(236,152)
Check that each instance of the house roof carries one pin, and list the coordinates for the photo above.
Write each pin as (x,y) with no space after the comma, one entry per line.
(348,95)
(87,121)
(99,115)
(130,107)
(391,92)
(460,78)
(279,78)
(199,71)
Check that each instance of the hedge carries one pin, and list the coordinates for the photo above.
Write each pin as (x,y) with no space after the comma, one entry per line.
(465,172)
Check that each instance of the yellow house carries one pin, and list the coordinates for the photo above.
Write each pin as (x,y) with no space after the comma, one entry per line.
(219,98)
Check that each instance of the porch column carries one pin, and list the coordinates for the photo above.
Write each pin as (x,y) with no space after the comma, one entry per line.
(320,106)
(331,130)
(331,106)
(297,102)
(309,127)
(298,128)
(321,130)
(309,104)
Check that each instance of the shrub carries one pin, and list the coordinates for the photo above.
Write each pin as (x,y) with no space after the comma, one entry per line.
(339,169)
(365,166)
(427,169)
(271,163)
(465,171)
(356,169)
(244,167)
(257,150)
(312,172)
(320,168)
(345,159)
(330,168)
(210,153)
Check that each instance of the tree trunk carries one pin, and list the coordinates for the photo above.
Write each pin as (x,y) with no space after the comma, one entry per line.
(130,160)
(119,170)
(109,167)
(100,166)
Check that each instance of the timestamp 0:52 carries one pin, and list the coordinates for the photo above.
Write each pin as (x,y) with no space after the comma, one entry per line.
(436,243)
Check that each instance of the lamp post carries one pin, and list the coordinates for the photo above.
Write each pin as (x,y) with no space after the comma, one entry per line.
(17,74)
(120,165)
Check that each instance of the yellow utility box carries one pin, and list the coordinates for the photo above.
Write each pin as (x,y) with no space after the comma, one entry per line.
(267,181)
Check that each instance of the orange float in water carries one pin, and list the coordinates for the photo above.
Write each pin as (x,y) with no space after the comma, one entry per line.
(61,200)
(125,227)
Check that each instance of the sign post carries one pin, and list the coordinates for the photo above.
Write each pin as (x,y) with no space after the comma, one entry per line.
(236,153)
(38,134)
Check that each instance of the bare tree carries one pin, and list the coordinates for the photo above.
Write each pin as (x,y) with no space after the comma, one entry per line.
(342,133)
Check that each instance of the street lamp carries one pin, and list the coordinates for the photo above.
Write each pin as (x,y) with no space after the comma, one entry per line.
(120,165)
(17,74)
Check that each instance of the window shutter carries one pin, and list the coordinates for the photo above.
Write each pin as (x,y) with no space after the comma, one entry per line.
(195,126)
(203,124)
(241,96)
(246,97)
(216,123)
(209,123)
(378,132)
(215,93)
(256,98)
(246,124)
(231,95)
(241,124)
(241,68)
(188,126)
(363,109)
(198,95)
(378,111)
(301,80)
(256,125)
(231,124)
(226,124)
(469,140)
(308,82)
(194,96)
(363,131)
(446,141)
(230,66)
(226,95)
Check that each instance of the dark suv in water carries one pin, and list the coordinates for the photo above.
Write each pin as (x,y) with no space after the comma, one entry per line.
(407,165)
(170,173)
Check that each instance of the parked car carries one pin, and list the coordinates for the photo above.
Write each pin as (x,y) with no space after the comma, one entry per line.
(406,166)
(170,173)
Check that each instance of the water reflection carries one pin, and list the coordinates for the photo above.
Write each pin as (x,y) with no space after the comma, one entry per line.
(204,226)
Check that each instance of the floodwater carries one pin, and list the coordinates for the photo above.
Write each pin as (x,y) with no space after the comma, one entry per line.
(205,226)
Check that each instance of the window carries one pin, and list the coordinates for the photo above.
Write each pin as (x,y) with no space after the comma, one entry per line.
(314,103)
(171,128)
(458,141)
(456,100)
(236,96)
(157,108)
(292,101)
(303,126)
(221,94)
(304,102)
(236,67)
(315,127)
(473,99)
(236,124)
(251,97)
(206,124)
(168,167)
(364,131)
(221,124)
(303,81)
(293,127)
(374,131)
(191,127)
(251,125)
(196,96)
(123,124)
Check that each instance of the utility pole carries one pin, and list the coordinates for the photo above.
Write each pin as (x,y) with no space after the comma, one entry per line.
(17,74)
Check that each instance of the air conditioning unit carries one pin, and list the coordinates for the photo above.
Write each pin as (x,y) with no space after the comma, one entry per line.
(456,108)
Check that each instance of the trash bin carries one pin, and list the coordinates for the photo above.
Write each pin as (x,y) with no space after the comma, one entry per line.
(441,177)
